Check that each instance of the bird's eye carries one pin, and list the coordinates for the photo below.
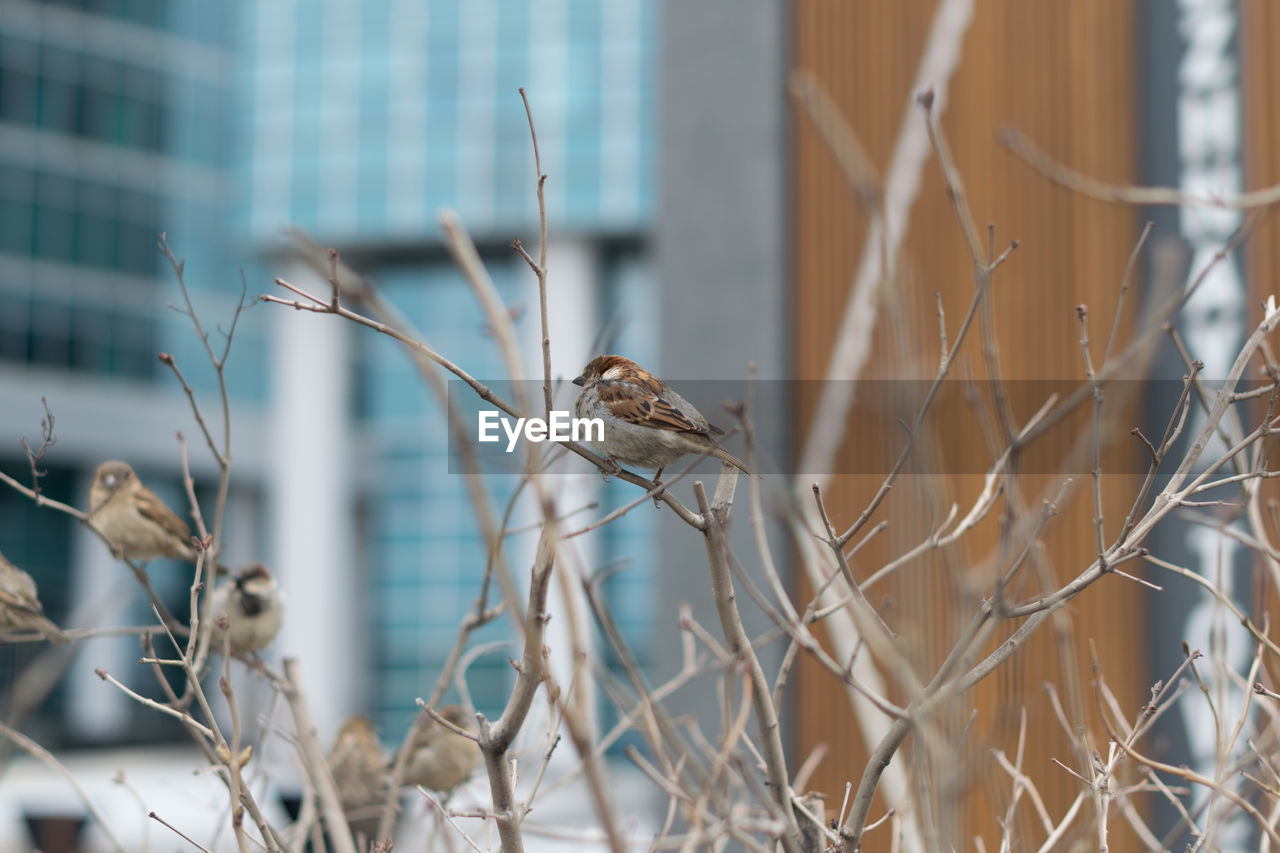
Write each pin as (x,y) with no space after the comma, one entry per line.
(110,480)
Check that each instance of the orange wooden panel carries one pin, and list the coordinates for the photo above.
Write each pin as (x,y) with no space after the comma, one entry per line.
(1064,74)
(1260,27)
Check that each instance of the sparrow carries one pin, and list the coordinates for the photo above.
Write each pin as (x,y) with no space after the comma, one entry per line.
(20,608)
(646,424)
(133,519)
(359,767)
(441,760)
(254,608)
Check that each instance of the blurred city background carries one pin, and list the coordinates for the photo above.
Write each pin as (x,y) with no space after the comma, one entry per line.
(222,124)
(698,223)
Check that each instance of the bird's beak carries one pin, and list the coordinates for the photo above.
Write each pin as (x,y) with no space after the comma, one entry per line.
(580,381)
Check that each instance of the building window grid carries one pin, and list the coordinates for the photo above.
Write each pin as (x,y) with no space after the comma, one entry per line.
(480,174)
(428,552)
(38,542)
(59,219)
(144,12)
(422,536)
(79,335)
(55,216)
(60,90)
(111,325)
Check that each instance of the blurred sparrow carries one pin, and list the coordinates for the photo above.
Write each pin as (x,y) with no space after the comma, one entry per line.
(359,768)
(442,760)
(133,519)
(20,608)
(254,608)
(646,424)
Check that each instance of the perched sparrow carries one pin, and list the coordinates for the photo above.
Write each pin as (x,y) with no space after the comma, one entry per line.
(133,519)
(254,609)
(442,760)
(646,424)
(359,768)
(20,609)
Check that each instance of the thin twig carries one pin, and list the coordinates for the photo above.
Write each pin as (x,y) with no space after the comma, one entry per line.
(177,832)
(731,624)
(540,269)
(314,762)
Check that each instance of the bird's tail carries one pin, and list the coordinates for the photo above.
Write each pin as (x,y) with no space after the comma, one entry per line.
(721,453)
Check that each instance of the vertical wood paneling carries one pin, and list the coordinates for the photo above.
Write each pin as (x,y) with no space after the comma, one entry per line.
(1259,31)
(1064,74)
(1260,27)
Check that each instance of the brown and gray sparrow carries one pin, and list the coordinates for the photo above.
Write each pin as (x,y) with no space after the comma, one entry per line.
(442,760)
(20,608)
(646,424)
(133,519)
(254,608)
(359,767)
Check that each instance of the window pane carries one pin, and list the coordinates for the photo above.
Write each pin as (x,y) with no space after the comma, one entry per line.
(137,248)
(59,107)
(153,122)
(54,233)
(17,95)
(138,228)
(50,334)
(96,226)
(15,214)
(91,340)
(39,542)
(146,12)
(99,99)
(134,347)
(14,327)
(96,241)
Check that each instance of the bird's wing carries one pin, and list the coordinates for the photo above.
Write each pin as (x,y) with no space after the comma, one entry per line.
(654,408)
(153,509)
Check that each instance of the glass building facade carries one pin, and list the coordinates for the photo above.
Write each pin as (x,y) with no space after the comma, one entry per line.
(114,127)
(365,119)
(362,121)
(221,124)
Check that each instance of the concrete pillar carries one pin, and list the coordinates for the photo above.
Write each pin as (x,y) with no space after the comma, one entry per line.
(722,231)
(573,279)
(312,512)
(103,593)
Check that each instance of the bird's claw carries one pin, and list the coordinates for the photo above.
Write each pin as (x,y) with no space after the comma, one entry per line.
(609,468)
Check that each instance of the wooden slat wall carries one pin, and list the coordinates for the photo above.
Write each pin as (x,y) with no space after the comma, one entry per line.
(1260,81)
(1065,74)
(1260,28)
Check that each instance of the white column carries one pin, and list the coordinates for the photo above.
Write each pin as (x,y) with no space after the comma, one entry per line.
(103,590)
(572,273)
(309,491)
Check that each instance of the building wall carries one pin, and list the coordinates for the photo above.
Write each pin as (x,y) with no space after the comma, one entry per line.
(361,122)
(1066,76)
(725,299)
(112,128)
(365,119)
